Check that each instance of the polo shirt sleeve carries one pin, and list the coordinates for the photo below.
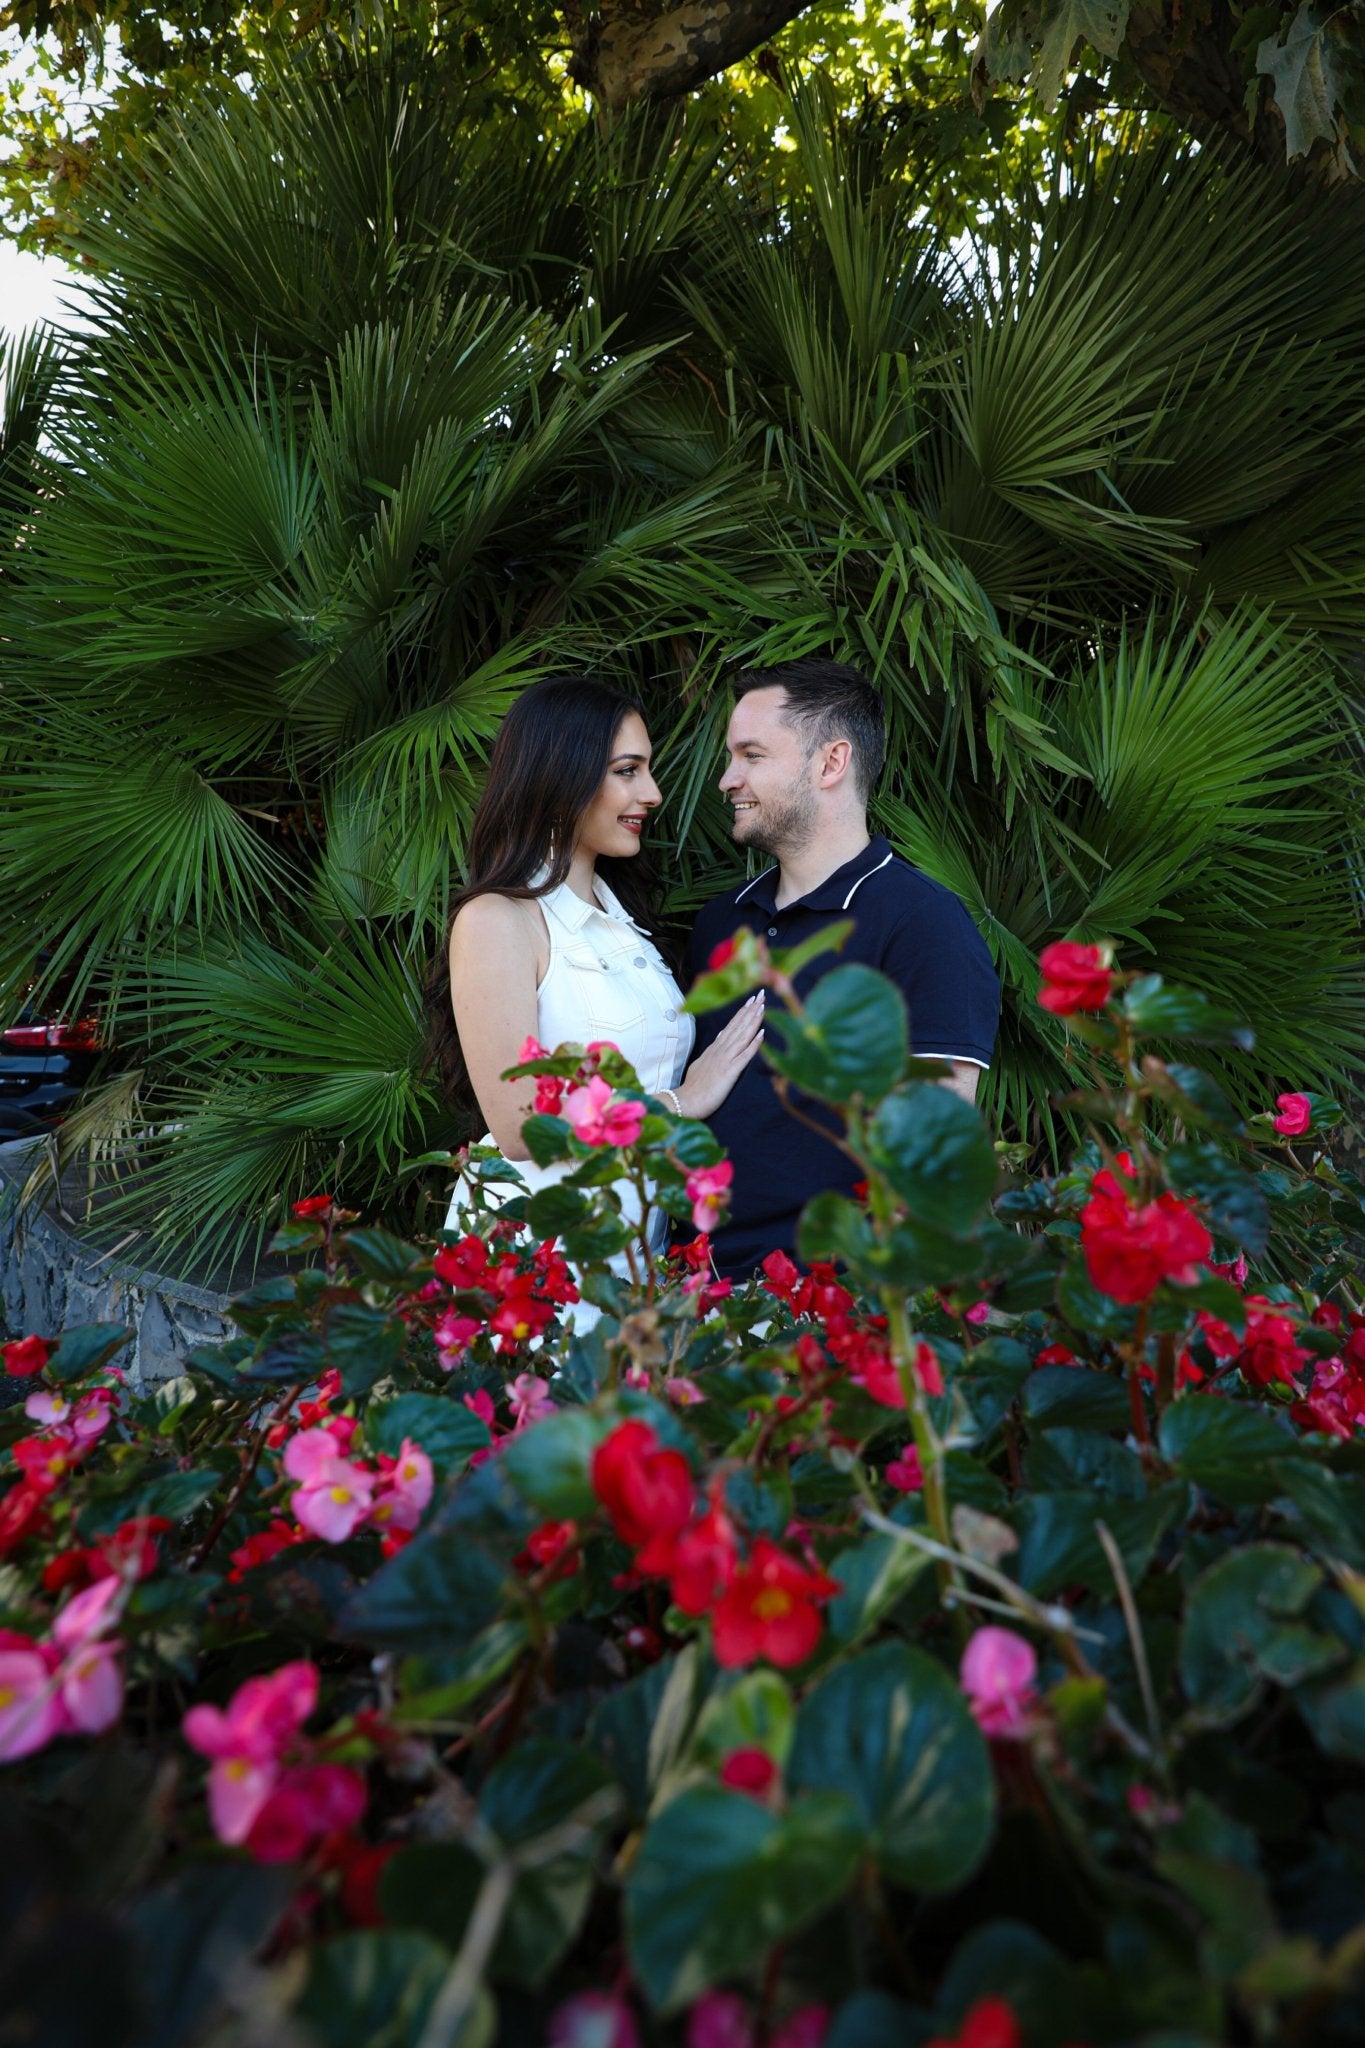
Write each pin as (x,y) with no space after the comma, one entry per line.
(942,966)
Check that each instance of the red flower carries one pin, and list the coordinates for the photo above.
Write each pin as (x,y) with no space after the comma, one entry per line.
(749,1770)
(312,1205)
(770,1609)
(721,955)
(1130,1249)
(781,1275)
(45,1460)
(646,1490)
(703,1564)
(462,1265)
(547,1546)
(549,1094)
(264,1544)
(989,2024)
(361,1868)
(1074,978)
(520,1315)
(22,1510)
(26,1356)
(1055,1354)
(313,1800)
(1296,1113)
(1269,1351)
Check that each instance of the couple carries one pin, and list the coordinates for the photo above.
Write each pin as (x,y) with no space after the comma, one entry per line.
(554,934)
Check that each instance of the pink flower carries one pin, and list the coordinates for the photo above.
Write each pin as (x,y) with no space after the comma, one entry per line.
(708,1190)
(594,2019)
(683,1392)
(531,1049)
(335,1496)
(53,1409)
(90,1614)
(1296,1113)
(91,1685)
(454,1334)
(997,1674)
(719,2020)
(405,1489)
(905,1472)
(529,1398)
(598,1117)
(31,1712)
(246,1742)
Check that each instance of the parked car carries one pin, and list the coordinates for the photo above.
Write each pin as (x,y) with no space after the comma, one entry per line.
(44,1063)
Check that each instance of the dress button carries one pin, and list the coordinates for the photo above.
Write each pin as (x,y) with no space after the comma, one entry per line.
(671,1016)
(606,964)
(639,961)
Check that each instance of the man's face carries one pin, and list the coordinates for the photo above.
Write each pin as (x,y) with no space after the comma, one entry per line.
(772,777)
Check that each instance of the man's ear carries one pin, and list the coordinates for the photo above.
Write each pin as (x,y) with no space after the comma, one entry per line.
(834,762)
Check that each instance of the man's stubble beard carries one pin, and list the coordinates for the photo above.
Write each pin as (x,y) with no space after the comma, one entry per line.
(783,828)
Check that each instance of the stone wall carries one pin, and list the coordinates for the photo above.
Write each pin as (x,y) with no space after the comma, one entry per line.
(53,1279)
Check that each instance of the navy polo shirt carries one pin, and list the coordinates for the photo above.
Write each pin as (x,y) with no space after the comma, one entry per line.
(910,929)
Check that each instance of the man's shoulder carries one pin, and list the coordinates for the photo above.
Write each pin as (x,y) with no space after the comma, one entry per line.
(903,893)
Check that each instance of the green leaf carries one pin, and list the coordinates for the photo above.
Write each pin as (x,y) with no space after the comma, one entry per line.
(891,1730)
(719,1879)
(874,2019)
(447,1431)
(1074,1397)
(641,1729)
(1063,24)
(1230,1448)
(381,1256)
(874,1577)
(1236,1206)
(1335,1712)
(934,1149)
(550,1462)
(1159,1012)
(443,1587)
(440,1683)
(1241,1627)
(538,1786)
(755,1711)
(1058,1546)
(363,1343)
(1065,1459)
(1307,92)
(84,1349)
(375,1989)
(1086,1308)
(1332,1504)
(851,1040)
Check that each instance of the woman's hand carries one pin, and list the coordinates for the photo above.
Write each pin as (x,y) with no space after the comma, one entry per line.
(714,1072)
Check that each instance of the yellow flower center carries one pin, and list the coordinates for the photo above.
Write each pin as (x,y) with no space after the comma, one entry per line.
(340,1494)
(771,1603)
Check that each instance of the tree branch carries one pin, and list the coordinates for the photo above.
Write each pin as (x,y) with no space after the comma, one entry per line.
(628,50)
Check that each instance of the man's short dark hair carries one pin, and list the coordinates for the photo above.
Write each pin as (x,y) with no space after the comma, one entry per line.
(829,700)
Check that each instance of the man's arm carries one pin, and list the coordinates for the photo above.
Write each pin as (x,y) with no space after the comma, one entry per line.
(942,966)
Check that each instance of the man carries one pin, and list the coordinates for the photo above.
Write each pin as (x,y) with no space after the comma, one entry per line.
(806,744)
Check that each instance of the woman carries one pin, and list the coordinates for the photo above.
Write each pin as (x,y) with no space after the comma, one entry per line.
(551,936)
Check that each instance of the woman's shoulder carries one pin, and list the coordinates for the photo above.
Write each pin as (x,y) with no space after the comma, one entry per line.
(490,918)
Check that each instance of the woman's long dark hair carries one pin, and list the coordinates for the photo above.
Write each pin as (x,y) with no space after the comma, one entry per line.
(548,762)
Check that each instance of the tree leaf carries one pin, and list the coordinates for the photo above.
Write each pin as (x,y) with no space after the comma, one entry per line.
(935,1150)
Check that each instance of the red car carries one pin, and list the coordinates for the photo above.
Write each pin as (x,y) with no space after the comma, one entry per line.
(44,1064)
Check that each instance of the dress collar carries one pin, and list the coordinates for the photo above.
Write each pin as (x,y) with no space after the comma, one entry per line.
(573,912)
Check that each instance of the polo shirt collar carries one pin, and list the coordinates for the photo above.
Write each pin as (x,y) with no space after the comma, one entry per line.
(832,894)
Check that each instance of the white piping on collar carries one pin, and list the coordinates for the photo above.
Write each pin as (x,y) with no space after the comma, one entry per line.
(862,878)
(750,885)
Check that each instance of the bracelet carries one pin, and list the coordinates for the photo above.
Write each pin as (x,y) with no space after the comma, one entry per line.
(669,1095)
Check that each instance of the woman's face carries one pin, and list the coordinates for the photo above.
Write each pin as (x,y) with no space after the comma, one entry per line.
(613,822)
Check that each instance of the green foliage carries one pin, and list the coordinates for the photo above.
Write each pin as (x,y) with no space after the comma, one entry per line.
(485,397)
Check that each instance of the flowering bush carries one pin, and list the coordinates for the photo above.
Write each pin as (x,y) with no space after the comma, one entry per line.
(956,1637)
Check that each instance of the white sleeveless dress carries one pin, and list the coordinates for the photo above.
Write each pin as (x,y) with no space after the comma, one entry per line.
(606,979)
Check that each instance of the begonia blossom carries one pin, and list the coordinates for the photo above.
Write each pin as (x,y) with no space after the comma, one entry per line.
(1130,1248)
(1296,1114)
(1074,977)
(598,1116)
(997,1674)
(770,1609)
(708,1190)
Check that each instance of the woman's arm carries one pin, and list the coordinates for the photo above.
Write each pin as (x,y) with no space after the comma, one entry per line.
(499,950)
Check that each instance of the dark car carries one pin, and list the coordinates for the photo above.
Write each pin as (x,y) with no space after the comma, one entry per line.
(44,1063)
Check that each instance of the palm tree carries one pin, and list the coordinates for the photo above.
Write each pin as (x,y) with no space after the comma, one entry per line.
(386,412)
